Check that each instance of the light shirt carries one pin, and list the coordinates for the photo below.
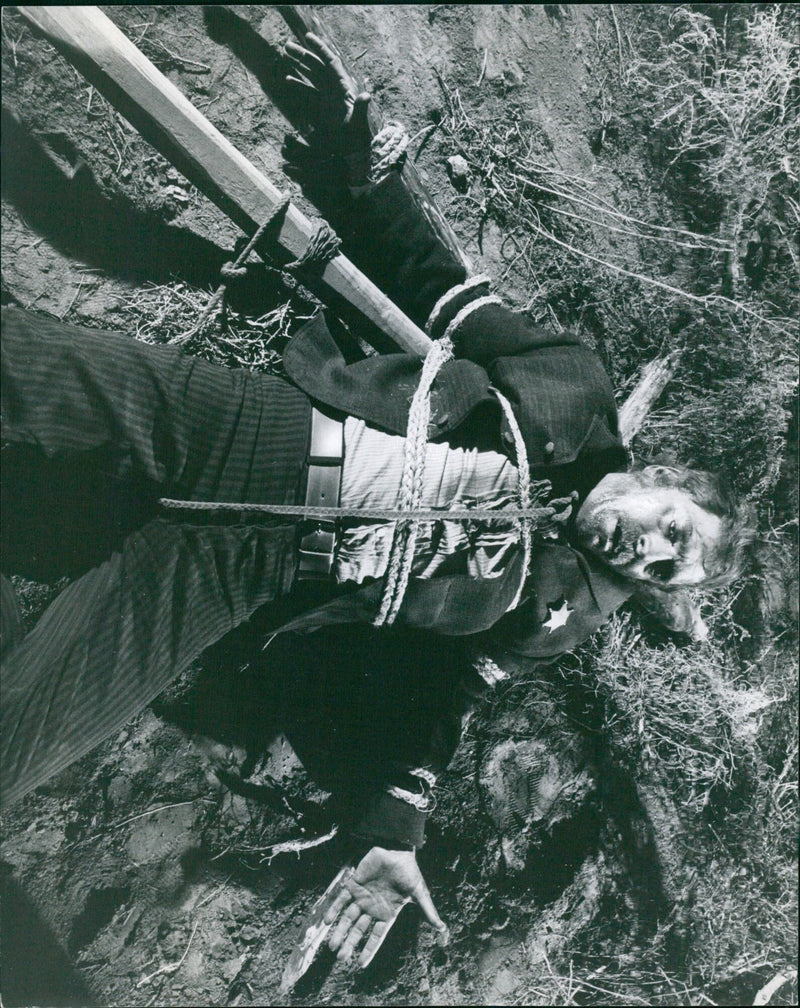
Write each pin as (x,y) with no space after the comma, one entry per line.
(453,477)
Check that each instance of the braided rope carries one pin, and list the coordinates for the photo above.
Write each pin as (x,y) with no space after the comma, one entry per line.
(524,525)
(475,514)
(388,151)
(404,540)
(454,292)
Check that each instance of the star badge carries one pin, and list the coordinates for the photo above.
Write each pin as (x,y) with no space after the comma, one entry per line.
(557,617)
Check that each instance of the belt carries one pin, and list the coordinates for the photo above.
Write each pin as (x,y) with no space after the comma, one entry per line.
(325,460)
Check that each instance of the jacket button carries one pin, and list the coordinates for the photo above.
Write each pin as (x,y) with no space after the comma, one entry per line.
(549,448)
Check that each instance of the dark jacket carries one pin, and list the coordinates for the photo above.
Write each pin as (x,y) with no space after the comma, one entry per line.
(564,405)
(558,389)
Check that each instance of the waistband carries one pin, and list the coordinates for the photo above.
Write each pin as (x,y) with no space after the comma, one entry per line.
(323,488)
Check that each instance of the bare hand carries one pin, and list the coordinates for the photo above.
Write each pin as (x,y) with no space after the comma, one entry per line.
(363,902)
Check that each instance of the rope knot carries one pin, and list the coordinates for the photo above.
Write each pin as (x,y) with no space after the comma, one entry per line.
(322,246)
(230,271)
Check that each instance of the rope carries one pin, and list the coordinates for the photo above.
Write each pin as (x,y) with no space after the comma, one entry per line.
(408,515)
(476,514)
(404,540)
(388,150)
(524,525)
(322,246)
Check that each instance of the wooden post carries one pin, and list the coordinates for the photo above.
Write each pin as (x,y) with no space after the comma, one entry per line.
(169,121)
(654,379)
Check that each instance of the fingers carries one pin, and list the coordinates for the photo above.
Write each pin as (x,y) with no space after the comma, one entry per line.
(306,69)
(297,78)
(306,58)
(374,942)
(380,929)
(316,931)
(423,898)
(342,929)
(323,51)
(353,937)
(317,59)
(330,60)
(339,899)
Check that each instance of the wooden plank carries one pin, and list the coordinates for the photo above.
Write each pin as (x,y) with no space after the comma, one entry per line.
(169,121)
(654,379)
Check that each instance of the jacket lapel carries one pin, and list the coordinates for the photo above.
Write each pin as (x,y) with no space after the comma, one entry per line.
(455,605)
(379,389)
(570,596)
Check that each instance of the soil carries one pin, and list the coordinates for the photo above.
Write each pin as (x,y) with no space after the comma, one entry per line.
(147,873)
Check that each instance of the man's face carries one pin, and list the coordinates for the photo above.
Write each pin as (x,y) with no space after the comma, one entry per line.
(654,534)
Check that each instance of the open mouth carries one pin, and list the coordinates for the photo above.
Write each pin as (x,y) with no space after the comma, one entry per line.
(660,570)
(615,545)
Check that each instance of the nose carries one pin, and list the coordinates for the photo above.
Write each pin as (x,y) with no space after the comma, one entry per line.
(654,546)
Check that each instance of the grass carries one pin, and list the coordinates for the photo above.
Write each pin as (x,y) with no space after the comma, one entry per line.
(725,99)
(636,286)
(713,270)
(176,313)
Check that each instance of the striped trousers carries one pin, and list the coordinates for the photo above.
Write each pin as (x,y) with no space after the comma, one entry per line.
(95,428)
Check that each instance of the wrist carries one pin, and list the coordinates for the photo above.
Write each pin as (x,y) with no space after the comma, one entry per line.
(359,847)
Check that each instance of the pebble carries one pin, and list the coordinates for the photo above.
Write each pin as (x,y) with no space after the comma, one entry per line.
(458,167)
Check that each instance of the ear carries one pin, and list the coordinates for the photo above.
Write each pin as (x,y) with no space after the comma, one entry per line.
(661,474)
(676,610)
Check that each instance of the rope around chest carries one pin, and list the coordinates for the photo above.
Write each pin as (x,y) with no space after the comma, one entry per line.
(408,515)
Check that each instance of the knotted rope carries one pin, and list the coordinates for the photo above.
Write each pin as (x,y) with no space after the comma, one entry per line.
(524,525)
(322,246)
(401,554)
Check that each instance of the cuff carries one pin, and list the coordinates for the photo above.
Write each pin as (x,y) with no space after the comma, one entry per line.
(388,820)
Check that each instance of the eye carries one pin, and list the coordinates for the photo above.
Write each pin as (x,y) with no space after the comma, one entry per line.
(672,534)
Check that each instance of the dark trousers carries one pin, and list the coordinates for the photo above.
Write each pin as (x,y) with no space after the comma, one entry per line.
(97,427)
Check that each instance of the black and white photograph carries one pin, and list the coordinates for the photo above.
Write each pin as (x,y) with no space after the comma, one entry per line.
(399,520)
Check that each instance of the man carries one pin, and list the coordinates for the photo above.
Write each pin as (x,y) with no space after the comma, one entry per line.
(99,431)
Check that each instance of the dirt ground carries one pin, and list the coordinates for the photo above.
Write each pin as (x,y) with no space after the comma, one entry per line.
(148,873)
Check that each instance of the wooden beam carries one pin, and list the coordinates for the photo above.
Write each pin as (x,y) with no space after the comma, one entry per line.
(654,379)
(169,121)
